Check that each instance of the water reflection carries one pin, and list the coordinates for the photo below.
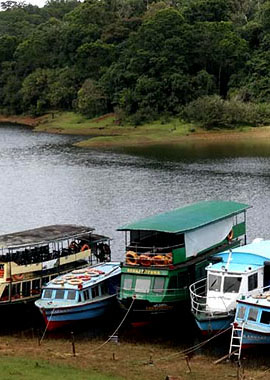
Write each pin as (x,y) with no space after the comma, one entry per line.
(212,149)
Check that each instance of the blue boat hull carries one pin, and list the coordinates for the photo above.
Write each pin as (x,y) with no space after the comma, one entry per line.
(56,318)
(252,338)
(209,326)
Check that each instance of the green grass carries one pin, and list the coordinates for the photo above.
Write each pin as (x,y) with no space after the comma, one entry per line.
(71,121)
(27,369)
(108,133)
(105,132)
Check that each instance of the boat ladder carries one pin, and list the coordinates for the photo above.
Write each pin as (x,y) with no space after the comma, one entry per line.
(236,340)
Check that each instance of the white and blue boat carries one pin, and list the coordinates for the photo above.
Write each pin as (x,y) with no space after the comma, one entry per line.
(252,319)
(234,273)
(82,294)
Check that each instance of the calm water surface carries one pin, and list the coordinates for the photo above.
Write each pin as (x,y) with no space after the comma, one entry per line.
(45,180)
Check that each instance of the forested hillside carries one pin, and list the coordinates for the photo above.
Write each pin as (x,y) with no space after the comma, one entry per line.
(206,60)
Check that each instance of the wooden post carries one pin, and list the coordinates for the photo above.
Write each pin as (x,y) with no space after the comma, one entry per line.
(73,343)
(38,337)
(187,361)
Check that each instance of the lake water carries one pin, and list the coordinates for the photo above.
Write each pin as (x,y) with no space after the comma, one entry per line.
(45,180)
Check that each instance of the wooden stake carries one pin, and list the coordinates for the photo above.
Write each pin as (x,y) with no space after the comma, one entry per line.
(187,361)
(73,343)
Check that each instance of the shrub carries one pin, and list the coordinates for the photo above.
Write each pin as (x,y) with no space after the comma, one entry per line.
(214,112)
(142,116)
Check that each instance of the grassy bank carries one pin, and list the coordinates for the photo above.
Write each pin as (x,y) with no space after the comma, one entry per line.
(105,131)
(23,358)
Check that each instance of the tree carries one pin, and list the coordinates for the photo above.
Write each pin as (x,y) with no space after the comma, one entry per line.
(91,99)
(93,58)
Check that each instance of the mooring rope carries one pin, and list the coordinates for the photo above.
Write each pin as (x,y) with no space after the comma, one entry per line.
(195,347)
(116,330)
(49,320)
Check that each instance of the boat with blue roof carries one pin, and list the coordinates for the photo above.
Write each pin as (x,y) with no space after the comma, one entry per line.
(235,273)
(82,294)
(251,326)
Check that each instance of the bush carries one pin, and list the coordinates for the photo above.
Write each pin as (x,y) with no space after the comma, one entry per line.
(142,116)
(214,112)
(91,99)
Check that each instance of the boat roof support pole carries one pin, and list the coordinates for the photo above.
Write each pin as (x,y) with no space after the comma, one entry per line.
(245,219)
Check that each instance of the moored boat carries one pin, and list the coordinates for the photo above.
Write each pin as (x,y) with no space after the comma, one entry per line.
(238,272)
(82,294)
(29,259)
(251,326)
(167,252)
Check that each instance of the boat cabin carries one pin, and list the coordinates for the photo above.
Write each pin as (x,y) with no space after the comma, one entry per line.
(29,259)
(165,253)
(225,281)
(234,273)
(251,325)
(80,294)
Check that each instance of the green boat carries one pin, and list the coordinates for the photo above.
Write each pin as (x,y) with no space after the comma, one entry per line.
(165,253)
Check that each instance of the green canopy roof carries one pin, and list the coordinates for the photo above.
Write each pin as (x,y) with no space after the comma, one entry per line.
(188,218)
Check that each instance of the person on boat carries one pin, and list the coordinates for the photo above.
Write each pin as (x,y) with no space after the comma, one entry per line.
(103,252)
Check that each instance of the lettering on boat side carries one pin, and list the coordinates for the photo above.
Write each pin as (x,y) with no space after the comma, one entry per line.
(143,271)
(162,306)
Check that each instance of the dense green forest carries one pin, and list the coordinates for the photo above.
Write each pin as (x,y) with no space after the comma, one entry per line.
(206,60)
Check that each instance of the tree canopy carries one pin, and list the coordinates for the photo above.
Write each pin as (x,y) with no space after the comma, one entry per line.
(144,57)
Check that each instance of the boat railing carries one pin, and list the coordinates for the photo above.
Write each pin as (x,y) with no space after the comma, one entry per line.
(140,249)
(263,292)
(158,293)
(200,299)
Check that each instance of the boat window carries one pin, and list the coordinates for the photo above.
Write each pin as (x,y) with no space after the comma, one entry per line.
(252,314)
(265,317)
(86,294)
(172,287)
(158,284)
(15,290)
(232,284)
(47,293)
(127,285)
(36,286)
(26,289)
(214,282)
(95,291)
(142,285)
(104,288)
(241,312)
(5,294)
(71,295)
(253,281)
(59,294)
